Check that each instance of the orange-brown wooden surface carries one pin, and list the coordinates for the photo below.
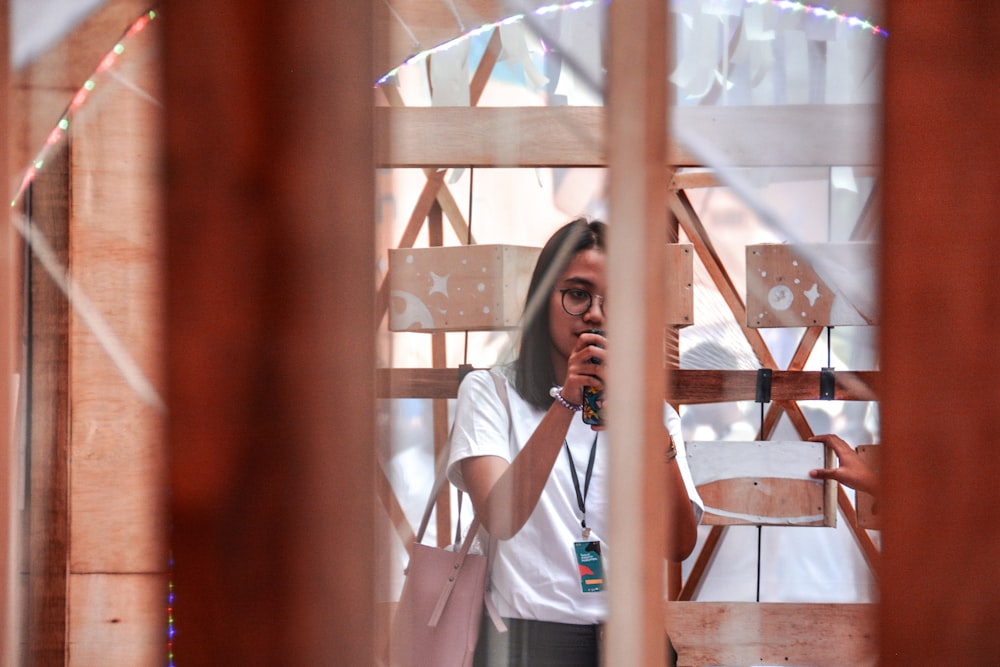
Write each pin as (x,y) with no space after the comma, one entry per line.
(42,89)
(9,639)
(867,505)
(117,464)
(751,633)
(270,347)
(46,372)
(941,208)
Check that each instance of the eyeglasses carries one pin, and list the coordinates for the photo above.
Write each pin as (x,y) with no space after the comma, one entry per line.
(577,301)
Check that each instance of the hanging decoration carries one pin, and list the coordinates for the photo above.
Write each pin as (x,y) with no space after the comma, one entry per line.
(734,7)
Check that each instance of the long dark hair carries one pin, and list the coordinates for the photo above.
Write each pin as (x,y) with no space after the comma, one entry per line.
(534,372)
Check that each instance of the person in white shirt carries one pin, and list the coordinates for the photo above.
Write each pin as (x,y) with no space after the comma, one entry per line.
(537,473)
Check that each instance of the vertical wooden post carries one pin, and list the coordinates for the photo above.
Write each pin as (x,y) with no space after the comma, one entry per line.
(270,311)
(636,147)
(941,218)
(9,634)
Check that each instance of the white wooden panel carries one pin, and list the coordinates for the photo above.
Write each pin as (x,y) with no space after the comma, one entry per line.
(760,482)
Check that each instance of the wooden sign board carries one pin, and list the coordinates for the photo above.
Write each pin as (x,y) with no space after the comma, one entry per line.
(865,505)
(483,287)
(761,483)
(459,288)
(807,285)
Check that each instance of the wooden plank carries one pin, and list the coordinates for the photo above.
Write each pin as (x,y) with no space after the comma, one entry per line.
(270,347)
(679,285)
(753,633)
(695,178)
(11,539)
(125,620)
(865,503)
(117,494)
(46,379)
(760,483)
(766,136)
(636,275)
(940,591)
(685,386)
(689,386)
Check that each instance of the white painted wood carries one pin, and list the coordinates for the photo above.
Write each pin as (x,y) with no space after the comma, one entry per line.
(760,482)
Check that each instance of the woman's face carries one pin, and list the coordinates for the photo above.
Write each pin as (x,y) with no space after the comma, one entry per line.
(587,271)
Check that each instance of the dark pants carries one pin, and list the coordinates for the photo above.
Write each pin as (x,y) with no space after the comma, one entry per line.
(542,644)
(537,644)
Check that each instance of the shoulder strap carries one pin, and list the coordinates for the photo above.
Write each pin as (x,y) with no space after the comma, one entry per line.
(440,476)
(491,609)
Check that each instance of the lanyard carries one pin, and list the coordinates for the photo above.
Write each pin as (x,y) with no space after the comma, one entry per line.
(581,498)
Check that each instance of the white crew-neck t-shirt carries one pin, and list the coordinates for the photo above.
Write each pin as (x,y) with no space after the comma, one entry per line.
(535,574)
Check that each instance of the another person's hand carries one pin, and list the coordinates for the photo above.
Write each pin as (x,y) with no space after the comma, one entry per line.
(852,471)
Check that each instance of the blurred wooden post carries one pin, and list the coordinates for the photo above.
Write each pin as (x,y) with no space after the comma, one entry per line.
(941,217)
(270,314)
(9,633)
(636,148)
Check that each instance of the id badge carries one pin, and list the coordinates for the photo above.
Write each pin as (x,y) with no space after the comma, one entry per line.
(588,557)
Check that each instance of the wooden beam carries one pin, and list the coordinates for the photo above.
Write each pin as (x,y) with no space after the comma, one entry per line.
(10,536)
(118,525)
(637,140)
(763,136)
(685,386)
(270,318)
(940,590)
(46,377)
(755,633)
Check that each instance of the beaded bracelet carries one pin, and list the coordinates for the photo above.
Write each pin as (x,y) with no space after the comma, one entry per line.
(556,393)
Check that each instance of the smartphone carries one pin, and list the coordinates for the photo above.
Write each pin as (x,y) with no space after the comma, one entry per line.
(593,406)
(593,398)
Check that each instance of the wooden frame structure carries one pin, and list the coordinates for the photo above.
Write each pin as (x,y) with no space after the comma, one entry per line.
(440,137)
(939,595)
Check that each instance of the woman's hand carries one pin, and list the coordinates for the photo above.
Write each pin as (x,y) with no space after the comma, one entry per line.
(852,471)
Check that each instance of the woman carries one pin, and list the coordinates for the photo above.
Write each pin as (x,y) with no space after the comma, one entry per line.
(538,478)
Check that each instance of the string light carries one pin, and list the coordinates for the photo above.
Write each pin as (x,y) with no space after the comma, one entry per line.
(785,5)
(824,13)
(79,99)
(171,631)
(475,32)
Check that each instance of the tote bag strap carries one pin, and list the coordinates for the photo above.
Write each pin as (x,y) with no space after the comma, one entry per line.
(491,609)
(439,479)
